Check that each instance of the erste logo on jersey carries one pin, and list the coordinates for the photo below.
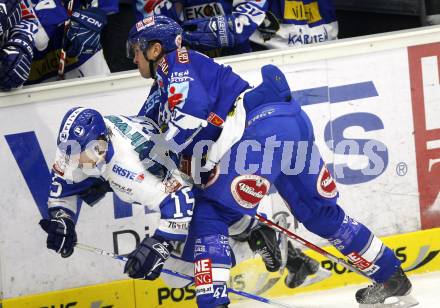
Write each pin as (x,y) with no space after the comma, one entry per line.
(249,189)
(202,11)
(326,185)
(138,177)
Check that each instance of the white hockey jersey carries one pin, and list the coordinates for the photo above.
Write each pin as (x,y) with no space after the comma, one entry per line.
(127,177)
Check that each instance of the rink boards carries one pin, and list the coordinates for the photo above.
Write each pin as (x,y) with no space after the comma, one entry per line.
(418,252)
(375,109)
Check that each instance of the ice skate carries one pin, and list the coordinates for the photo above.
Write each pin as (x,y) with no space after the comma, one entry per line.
(392,293)
(303,270)
(263,240)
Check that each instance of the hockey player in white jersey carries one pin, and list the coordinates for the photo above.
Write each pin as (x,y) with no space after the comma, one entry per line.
(99,154)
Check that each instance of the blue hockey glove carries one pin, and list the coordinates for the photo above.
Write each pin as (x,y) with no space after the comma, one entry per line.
(61,234)
(209,33)
(16,56)
(147,260)
(84,34)
(10,14)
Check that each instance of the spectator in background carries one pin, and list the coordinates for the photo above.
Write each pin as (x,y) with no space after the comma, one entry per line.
(84,56)
(291,23)
(216,28)
(17,30)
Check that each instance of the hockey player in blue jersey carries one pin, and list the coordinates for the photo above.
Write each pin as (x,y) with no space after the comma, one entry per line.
(96,155)
(197,99)
(18,27)
(81,42)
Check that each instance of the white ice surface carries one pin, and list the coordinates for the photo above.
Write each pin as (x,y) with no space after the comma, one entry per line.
(426,289)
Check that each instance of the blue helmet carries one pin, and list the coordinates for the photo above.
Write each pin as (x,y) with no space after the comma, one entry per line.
(155,28)
(81,125)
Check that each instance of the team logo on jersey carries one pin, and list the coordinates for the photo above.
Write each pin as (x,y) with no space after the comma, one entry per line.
(249,189)
(177,93)
(203,11)
(326,185)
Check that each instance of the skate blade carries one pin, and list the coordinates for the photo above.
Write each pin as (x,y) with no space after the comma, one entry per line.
(394,302)
(321,274)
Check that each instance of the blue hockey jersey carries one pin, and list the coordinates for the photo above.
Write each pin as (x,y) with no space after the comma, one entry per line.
(191,98)
(52,14)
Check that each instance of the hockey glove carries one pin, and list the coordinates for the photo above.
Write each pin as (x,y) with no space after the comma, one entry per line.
(147,260)
(10,14)
(95,193)
(16,55)
(84,34)
(206,34)
(61,234)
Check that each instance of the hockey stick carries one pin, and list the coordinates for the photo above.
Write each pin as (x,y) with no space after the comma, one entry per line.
(183,276)
(306,243)
(62,62)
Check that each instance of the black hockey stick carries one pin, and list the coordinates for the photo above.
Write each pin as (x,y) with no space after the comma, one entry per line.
(183,276)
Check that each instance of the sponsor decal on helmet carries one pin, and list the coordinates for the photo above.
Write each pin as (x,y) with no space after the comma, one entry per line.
(249,189)
(78,131)
(326,185)
(64,133)
(146,22)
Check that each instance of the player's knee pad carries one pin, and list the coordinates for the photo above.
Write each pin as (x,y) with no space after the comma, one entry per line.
(212,263)
(367,252)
